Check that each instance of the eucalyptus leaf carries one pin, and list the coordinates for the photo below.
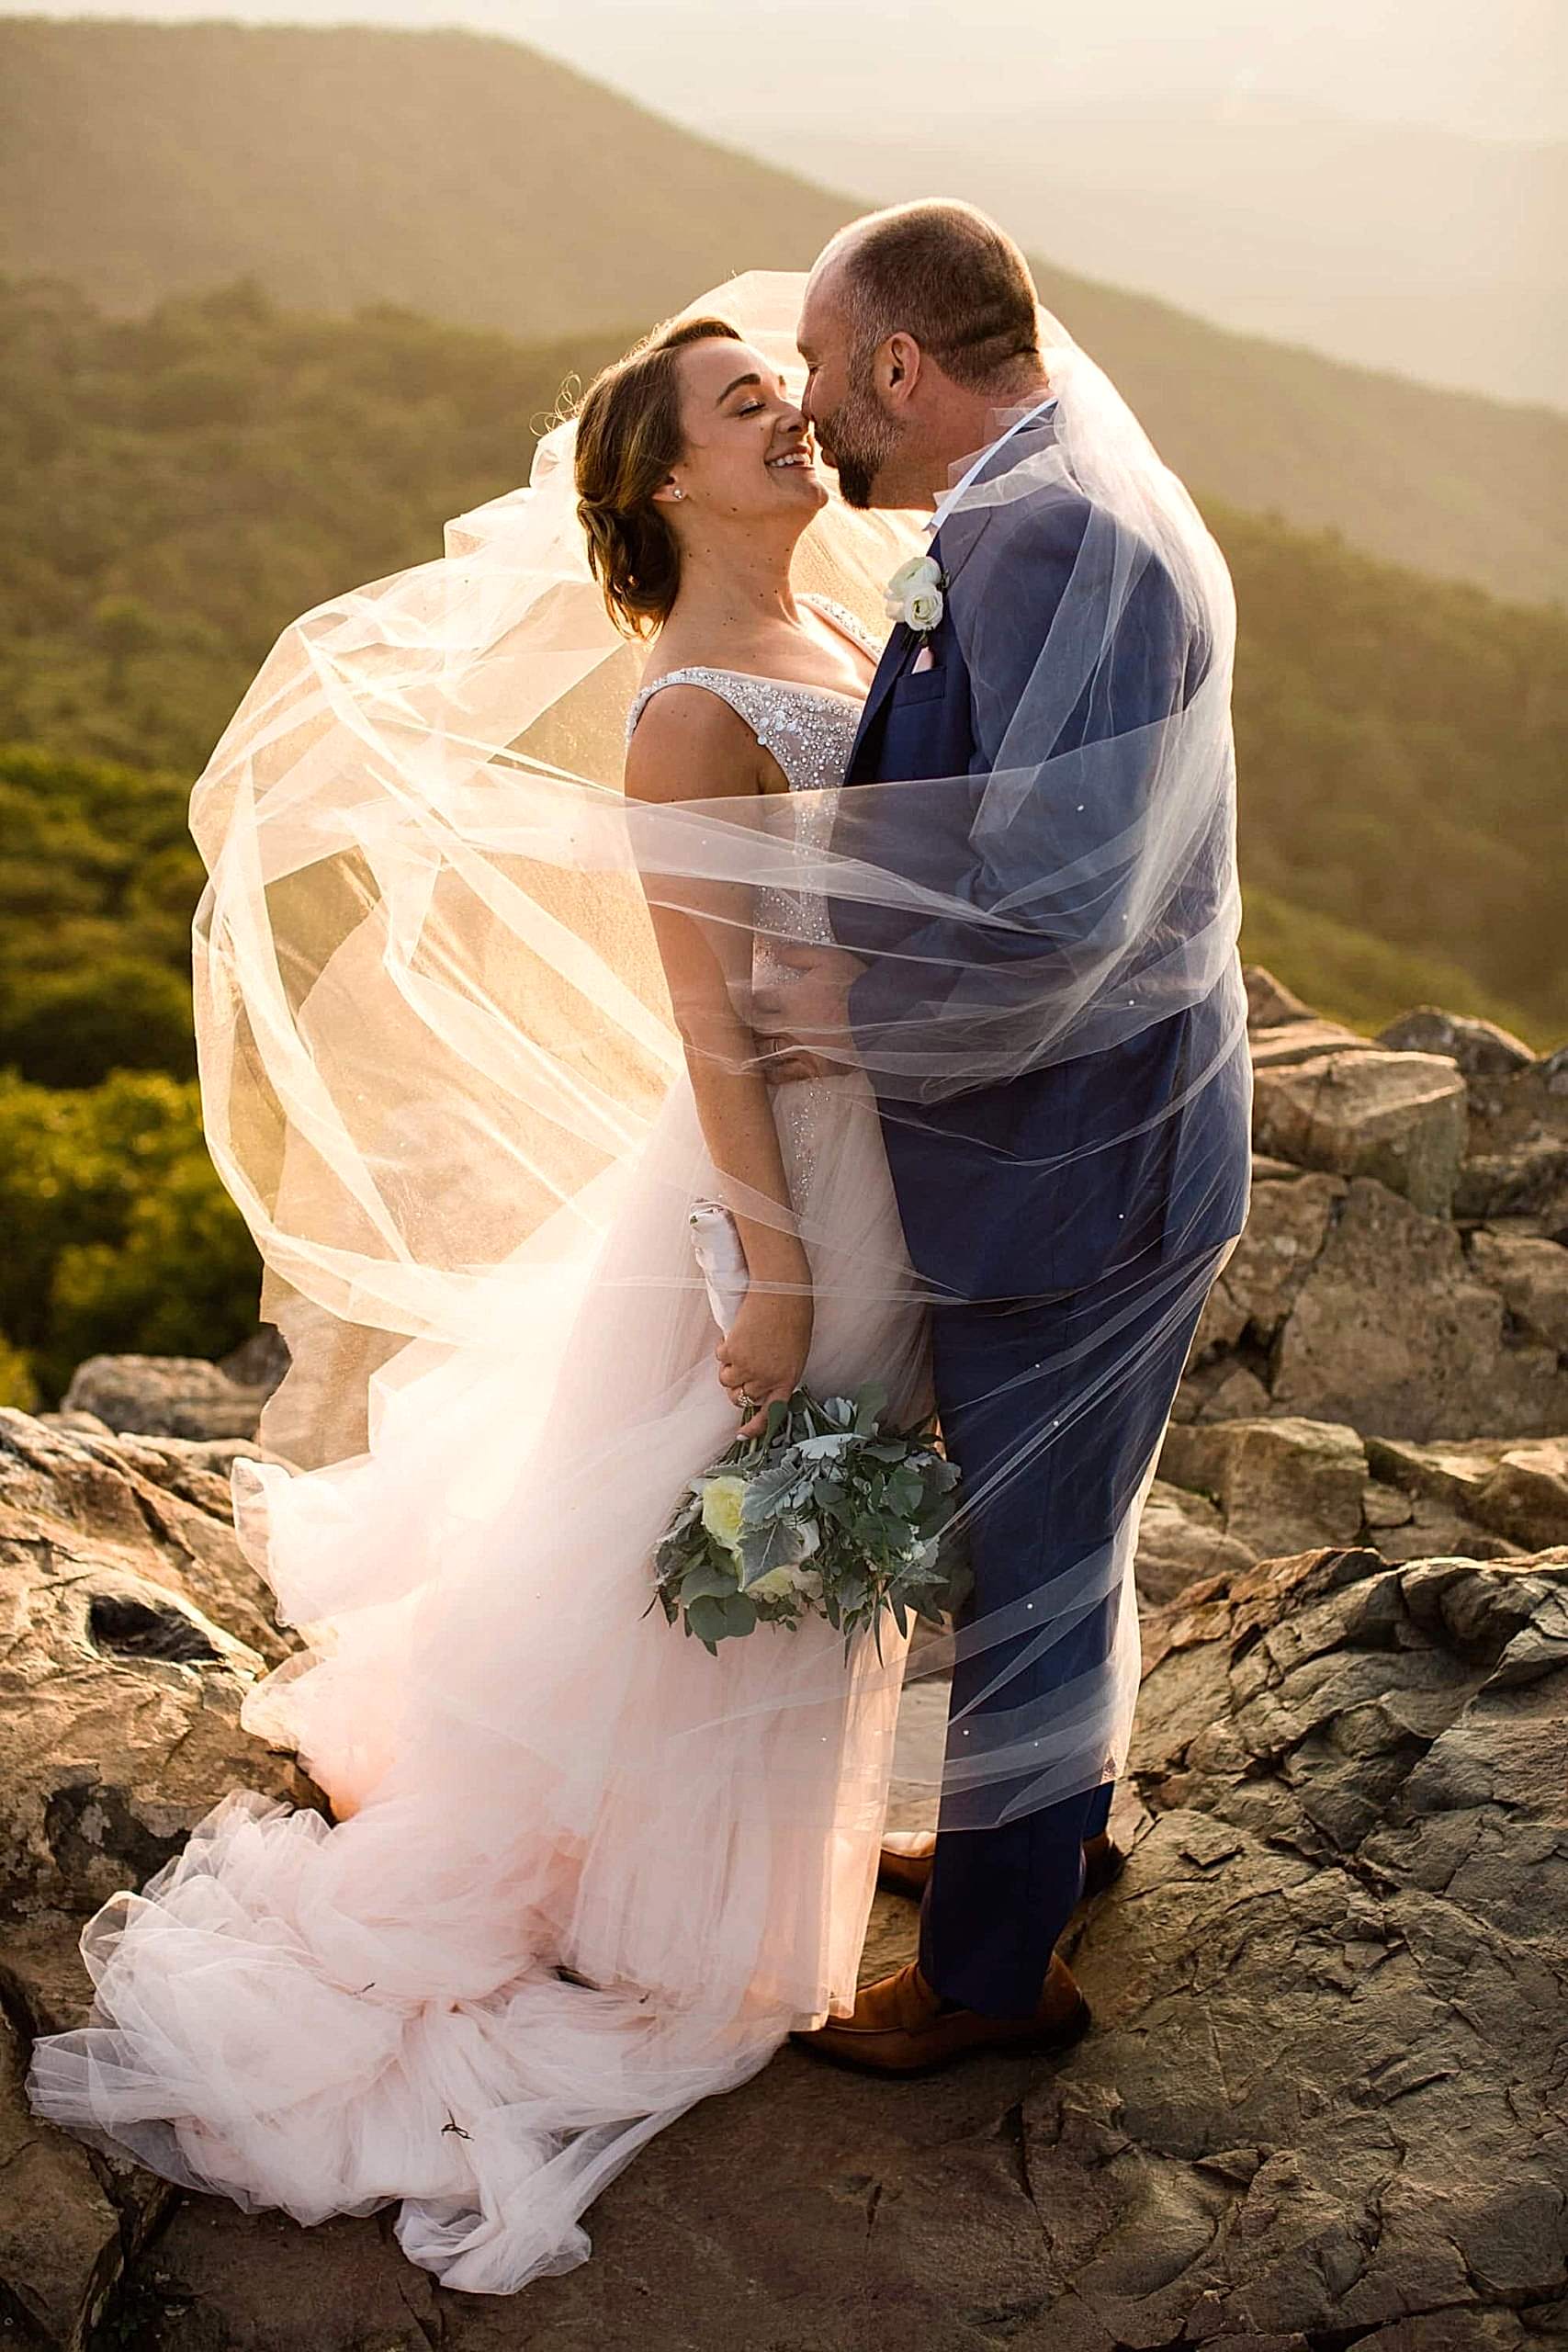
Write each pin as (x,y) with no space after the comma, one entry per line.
(740,1614)
(831,1444)
(869,1403)
(707,1620)
(705,1581)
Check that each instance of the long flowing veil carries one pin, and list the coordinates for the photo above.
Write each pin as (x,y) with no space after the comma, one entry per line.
(435,1038)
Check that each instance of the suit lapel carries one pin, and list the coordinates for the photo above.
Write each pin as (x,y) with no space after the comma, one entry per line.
(963,532)
(904,643)
(896,654)
(968,530)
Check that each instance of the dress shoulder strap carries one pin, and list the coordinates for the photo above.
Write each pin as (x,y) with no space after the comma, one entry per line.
(748,697)
(851,623)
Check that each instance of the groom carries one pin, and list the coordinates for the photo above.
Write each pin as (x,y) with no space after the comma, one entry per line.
(1075,1216)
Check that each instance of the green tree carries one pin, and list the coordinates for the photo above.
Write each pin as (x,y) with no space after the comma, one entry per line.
(119,1233)
(119,1013)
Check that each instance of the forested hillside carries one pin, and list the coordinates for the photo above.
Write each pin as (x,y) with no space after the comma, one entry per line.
(177,487)
(476,181)
(180,487)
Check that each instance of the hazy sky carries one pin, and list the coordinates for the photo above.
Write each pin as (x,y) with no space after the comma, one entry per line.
(1498,68)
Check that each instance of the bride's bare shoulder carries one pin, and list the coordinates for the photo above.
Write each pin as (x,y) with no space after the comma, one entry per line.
(688,743)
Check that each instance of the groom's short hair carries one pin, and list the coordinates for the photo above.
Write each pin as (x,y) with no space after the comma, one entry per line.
(944,273)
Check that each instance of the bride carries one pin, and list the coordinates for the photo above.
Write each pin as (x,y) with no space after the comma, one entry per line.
(581,1874)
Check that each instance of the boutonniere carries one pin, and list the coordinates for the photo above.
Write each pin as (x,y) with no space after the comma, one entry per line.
(914,594)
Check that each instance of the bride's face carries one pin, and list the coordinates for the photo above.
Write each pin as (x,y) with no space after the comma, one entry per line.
(747,453)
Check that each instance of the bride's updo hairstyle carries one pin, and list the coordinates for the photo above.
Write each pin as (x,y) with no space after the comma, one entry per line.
(628,437)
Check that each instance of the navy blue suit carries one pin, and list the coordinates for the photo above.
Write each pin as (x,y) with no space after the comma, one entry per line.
(1075,1216)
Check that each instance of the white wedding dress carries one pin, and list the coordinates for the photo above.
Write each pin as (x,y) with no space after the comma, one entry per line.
(531,1774)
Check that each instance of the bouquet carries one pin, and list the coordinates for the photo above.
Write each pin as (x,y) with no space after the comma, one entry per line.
(826,1511)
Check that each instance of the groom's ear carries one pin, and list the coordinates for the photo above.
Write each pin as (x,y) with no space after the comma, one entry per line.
(899,368)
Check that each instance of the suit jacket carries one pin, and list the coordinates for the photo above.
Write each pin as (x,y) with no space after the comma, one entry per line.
(1042,1184)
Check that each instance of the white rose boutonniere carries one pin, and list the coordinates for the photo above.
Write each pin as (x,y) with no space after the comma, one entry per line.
(914,594)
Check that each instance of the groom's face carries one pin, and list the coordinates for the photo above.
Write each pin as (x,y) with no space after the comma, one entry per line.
(854,433)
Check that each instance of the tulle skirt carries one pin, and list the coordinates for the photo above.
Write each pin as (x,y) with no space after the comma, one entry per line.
(582,1874)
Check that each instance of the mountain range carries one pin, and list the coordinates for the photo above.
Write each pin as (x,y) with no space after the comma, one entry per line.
(1391,246)
(483,183)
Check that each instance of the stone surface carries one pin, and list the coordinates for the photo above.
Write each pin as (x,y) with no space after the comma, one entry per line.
(164,1396)
(120,1686)
(1531,1278)
(259,1361)
(1262,1279)
(1398,1117)
(1270,1003)
(1342,1303)
(60,2229)
(122,1682)
(1264,1487)
(1391,1333)
(1524,1179)
(1325,2095)
(1302,1040)
(1479,1048)
(1517,1490)
(1183,1538)
(1322,2104)
(1279,1484)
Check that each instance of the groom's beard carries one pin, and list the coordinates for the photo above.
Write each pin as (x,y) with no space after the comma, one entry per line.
(857,440)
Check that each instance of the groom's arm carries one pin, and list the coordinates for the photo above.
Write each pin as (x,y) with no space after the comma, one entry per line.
(1068,725)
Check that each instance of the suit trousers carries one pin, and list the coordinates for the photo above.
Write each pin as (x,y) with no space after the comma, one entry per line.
(1104,1362)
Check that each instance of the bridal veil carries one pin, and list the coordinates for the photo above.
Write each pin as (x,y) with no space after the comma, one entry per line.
(433,1035)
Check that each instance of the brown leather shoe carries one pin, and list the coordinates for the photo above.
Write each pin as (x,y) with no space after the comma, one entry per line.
(904,1866)
(901,2027)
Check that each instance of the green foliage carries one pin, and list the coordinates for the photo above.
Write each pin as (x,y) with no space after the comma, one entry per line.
(119,1234)
(97,887)
(157,541)
(18,1387)
(1402,745)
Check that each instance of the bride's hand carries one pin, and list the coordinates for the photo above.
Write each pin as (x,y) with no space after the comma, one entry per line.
(764,1353)
(803,1021)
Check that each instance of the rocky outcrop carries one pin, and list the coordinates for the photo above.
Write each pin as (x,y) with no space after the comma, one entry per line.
(1516,1493)
(162,1396)
(1477,1048)
(132,1629)
(1271,1487)
(1279,1485)
(1321,2105)
(1404,1268)
(1402,1118)
(1342,1302)
(1324,2104)
(1183,1537)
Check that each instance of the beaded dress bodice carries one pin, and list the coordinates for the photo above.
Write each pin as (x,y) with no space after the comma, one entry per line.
(810,731)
